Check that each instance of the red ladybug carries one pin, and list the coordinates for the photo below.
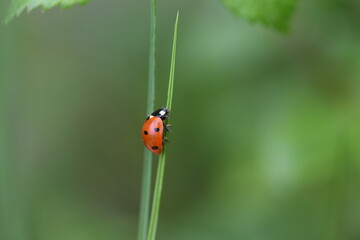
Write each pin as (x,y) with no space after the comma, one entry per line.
(153,130)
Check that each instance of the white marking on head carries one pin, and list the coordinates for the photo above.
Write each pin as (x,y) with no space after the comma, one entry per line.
(162,112)
(151,116)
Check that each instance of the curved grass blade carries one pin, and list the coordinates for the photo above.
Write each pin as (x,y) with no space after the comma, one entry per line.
(162,159)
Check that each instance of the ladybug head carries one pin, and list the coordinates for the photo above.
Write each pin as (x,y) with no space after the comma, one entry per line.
(161,113)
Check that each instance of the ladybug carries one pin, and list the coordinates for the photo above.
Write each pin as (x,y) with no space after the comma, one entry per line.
(153,130)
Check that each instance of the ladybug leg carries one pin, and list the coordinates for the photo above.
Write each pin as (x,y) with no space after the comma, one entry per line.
(166,116)
(167,127)
(165,139)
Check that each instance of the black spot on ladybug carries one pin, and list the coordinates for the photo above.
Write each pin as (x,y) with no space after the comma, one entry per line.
(155,147)
(145,132)
(156,129)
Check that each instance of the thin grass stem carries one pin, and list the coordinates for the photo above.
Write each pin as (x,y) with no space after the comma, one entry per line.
(162,159)
(147,165)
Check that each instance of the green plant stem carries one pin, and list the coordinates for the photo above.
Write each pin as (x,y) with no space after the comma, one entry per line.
(172,66)
(162,159)
(157,194)
(147,165)
(145,196)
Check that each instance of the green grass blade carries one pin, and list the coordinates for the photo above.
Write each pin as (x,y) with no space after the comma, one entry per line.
(145,196)
(152,58)
(162,159)
(157,194)
(147,166)
(172,67)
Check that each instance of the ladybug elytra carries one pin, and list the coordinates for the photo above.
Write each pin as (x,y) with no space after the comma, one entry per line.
(153,130)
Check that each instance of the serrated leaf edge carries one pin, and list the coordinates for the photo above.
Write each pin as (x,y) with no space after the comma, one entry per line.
(15,11)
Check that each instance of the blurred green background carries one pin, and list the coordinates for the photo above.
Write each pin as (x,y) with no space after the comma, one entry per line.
(266,135)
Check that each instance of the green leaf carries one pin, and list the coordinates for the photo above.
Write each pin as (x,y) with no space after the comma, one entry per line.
(271,13)
(18,6)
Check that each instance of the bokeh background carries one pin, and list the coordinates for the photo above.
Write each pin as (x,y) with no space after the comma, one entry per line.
(265,142)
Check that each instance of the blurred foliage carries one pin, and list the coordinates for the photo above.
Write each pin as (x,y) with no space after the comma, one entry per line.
(273,13)
(18,6)
(265,141)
